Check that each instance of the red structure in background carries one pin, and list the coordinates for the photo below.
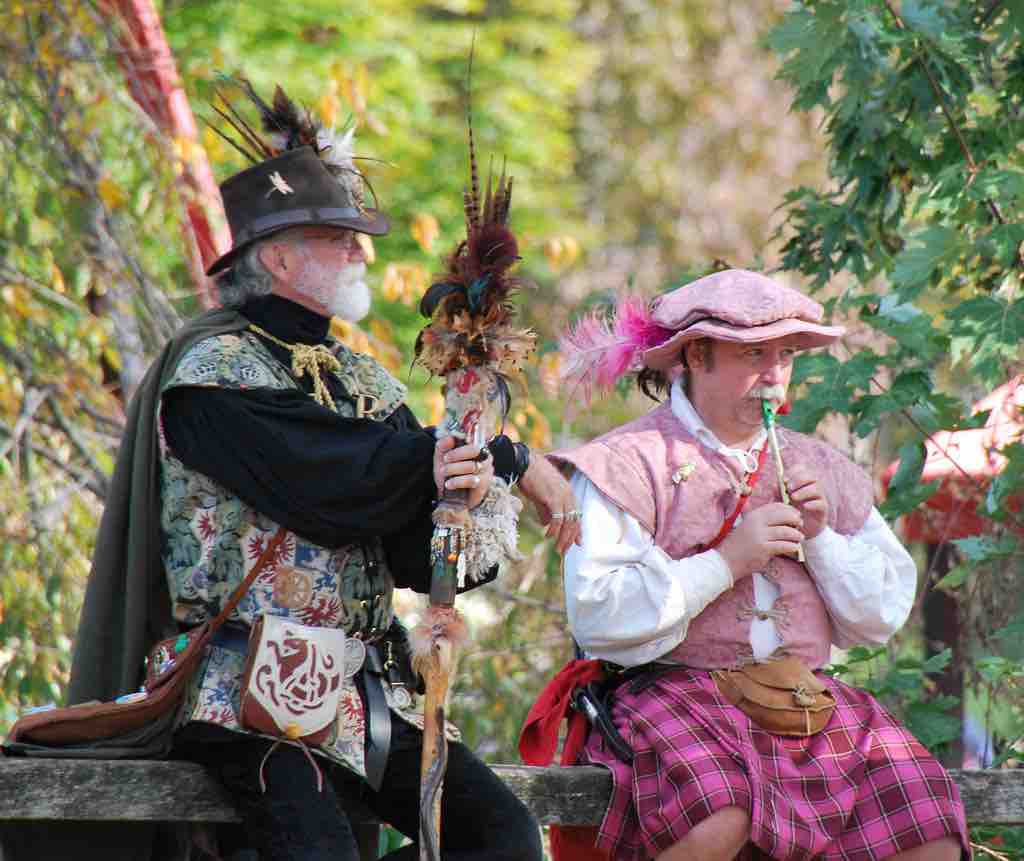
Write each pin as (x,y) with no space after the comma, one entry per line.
(965,461)
(152,78)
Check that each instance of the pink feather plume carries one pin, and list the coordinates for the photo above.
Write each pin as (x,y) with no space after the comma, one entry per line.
(597,352)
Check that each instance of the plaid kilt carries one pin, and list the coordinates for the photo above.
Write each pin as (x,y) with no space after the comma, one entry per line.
(862,789)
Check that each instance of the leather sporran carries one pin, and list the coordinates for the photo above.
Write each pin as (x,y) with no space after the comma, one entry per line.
(783,697)
(293,678)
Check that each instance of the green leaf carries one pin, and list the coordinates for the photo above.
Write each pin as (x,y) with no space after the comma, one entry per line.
(1006,240)
(926,251)
(955,578)
(891,308)
(809,365)
(937,663)
(931,725)
(808,41)
(905,492)
(1007,185)
(923,17)
(988,330)
(912,328)
(1016,13)
(861,654)
(1014,631)
(982,549)
(1006,484)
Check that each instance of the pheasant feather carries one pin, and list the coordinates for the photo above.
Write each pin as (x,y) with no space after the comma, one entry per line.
(284,126)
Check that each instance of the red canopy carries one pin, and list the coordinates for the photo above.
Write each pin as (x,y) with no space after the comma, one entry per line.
(965,461)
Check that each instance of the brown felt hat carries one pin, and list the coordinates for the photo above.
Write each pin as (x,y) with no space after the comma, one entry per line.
(289,190)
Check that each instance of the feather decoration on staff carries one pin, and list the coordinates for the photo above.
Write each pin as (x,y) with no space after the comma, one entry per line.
(473,342)
(597,353)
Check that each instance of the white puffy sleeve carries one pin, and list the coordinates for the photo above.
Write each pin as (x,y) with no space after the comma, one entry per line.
(627,601)
(867,581)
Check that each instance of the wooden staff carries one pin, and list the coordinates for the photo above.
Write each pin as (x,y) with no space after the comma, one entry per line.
(444,630)
(474,344)
(768,414)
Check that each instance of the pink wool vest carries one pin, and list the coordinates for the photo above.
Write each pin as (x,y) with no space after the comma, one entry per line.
(682,492)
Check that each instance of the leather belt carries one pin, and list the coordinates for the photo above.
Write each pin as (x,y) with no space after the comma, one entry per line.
(594,700)
(378,717)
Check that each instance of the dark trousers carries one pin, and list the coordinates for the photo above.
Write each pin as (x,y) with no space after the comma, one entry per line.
(481,820)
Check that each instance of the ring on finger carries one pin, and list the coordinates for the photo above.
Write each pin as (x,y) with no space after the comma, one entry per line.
(558,515)
(485,453)
(573,516)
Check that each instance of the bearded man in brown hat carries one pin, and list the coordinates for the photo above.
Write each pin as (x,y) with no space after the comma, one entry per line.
(254,425)
(712,579)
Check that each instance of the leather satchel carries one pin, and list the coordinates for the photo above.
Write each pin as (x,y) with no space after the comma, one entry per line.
(783,696)
(291,687)
(170,665)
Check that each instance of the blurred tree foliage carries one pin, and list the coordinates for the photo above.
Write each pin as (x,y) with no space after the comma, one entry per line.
(86,291)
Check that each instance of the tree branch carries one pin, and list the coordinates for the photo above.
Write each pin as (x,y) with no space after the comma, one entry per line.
(14,276)
(943,101)
(34,399)
(986,16)
(75,438)
(97,484)
(526,601)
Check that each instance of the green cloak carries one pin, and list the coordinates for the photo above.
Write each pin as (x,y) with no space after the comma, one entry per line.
(127,605)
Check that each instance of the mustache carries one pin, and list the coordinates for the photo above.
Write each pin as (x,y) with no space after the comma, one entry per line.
(352,272)
(769,393)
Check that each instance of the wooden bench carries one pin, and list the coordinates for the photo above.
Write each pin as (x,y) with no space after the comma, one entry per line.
(37,791)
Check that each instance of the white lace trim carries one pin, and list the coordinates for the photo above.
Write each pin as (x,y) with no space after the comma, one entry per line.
(492,539)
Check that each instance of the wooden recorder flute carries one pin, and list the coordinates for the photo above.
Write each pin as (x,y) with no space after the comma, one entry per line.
(768,414)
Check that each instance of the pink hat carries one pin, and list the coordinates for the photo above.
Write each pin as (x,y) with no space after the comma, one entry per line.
(735,305)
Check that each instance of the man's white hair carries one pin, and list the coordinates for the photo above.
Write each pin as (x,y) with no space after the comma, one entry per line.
(247,278)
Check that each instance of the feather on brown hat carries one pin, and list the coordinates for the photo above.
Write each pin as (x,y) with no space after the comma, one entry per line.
(302,173)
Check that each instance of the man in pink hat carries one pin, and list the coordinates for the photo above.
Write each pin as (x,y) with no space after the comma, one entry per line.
(713,604)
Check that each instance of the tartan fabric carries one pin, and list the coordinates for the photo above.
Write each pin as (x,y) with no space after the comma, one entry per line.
(862,789)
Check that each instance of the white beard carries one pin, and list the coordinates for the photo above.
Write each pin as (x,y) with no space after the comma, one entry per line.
(342,292)
(353,298)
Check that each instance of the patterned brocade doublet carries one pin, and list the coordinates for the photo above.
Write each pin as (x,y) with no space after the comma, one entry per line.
(212,539)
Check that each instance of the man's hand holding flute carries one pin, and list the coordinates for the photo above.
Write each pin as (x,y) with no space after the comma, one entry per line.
(778,529)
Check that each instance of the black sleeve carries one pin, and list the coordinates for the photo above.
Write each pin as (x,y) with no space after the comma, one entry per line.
(330,479)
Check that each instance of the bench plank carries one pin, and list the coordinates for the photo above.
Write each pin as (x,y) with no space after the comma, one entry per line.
(86,790)
(96,790)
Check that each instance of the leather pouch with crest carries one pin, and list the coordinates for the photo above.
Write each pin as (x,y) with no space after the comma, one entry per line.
(783,696)
(291,687)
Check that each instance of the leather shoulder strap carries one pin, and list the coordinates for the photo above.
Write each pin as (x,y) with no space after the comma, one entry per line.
(265,559)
